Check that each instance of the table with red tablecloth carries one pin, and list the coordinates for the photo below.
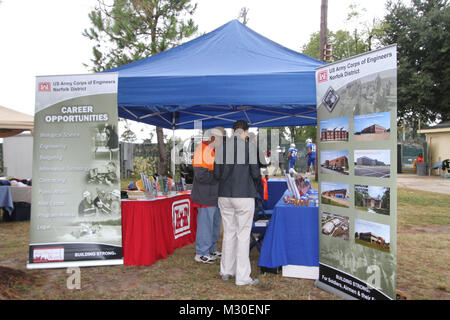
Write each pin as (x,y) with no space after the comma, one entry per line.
(153,229)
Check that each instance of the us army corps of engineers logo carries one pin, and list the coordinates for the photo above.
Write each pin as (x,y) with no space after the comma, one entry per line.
(181,218)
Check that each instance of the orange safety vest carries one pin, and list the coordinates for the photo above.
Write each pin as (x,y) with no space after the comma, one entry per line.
(266,189)
(204,157)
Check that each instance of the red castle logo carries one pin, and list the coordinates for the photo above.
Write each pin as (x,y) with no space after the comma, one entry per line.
(323,76)
(44,86)
(181,218)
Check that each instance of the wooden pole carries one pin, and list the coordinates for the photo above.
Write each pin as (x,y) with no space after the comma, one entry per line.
(323,42)
(323,28)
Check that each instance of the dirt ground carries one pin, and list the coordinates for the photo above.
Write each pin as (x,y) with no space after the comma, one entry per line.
(422,264)
(425,183)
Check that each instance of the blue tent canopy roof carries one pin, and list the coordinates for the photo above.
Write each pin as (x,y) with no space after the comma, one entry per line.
(229,74)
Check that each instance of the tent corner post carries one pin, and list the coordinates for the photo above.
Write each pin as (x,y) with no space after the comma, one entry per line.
(173,152)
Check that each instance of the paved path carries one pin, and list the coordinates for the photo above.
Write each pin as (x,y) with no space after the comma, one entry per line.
(379,172)
(426,183)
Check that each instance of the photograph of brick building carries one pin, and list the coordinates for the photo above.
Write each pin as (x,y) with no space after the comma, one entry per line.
(334,129)
(335,193)
(333,134)
(372,203)
(339,193)
(375,128)
(372,199)
(370,127)
(341,162)
(334,162)
(373,235)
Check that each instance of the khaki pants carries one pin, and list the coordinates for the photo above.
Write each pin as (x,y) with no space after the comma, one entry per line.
(237,220)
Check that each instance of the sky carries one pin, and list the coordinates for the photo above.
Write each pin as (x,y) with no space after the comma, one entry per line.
(381,230)
(334,123)
(44,37)
(373,191)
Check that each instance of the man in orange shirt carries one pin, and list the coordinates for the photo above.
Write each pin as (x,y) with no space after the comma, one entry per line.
(418,160)
(205,190)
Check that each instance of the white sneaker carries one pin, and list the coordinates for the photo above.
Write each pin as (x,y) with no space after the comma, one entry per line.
(203,259)
(250,282)
(226,277)
(215,255)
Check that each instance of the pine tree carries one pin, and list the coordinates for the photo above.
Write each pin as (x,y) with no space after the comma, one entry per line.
(129,30)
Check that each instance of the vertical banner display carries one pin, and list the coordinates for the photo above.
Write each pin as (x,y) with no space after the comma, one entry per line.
(357,152)
(76,212)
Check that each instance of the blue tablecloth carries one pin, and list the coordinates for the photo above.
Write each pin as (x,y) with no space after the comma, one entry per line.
(276,188)
(292,237)
(6,199)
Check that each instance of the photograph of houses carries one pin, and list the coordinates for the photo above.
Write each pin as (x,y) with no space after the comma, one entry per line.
(336,194)
(334,129)
(372,163)
(372,199)
(373,235)
(336,226)
(334,162)
(374,126)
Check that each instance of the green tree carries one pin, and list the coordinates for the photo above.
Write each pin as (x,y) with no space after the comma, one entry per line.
(128,135)
(300,134)
(386,200)
(363,37)
(421,32)
(129,30)
(344,43)
(359,199)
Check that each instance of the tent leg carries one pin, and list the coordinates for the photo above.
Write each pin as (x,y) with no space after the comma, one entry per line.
(173,154)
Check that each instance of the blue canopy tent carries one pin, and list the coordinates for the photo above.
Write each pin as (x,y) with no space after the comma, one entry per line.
(229,74)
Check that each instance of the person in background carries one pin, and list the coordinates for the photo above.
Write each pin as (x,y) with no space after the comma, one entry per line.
(292,157)
(204,193)
(103,202)
(311,154)
(86,208)
(237,193)
(419,159)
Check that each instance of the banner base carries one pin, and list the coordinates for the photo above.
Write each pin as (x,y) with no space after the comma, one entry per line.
(332,290)
(304,272)
(71,264)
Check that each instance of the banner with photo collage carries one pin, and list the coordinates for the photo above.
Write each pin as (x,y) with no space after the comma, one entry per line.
(357,152)
(76,211)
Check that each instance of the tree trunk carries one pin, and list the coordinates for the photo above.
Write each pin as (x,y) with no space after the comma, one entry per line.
(163,160)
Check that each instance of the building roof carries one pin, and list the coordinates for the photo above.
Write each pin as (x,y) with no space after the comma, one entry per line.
(13,122)
(440,127)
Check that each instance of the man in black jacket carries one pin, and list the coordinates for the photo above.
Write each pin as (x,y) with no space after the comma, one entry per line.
(236,167)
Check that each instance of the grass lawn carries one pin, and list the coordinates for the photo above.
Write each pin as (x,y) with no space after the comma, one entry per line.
(422,270)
